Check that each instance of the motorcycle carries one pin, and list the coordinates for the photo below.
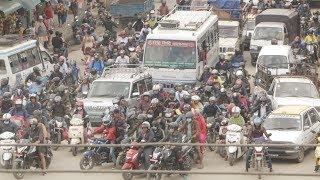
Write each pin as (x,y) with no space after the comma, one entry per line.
(58,132)
(7,151)
(28,157)
(132,161)
(96,156)
(259,155)
(234,135)
(212,133)
(222,138)
(312,51)
(76,133)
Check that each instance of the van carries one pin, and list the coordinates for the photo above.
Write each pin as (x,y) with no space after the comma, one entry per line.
(276,58)
(19,56)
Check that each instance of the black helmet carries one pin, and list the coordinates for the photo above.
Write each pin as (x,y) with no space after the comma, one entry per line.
(7,95)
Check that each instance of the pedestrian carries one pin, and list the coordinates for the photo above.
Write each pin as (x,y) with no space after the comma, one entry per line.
(49,12)
(62,13)
(41,32)
(74,8)
(87,43)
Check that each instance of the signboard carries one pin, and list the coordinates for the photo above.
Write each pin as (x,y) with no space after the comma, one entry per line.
(171,43)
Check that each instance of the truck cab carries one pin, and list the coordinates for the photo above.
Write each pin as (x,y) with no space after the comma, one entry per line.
(229,39)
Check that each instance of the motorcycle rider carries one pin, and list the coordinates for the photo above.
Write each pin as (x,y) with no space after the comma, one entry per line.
(145,102)
(56,72)
(196,104)
(33,104)
(263,106)
(37,133)
(304,9)
(97,64)
(180,93)
(215,78)
(211,110)
(36,86)
(222,64)
(4,86)
(158,92)
(206,74)
(58,43)
(33,76)
(146,136)
(159,135)
(110,26)
(256,132)
(8,126)
(6,103)
(237,58)
(58,108)
(170,99)
(163,9)
(236,117)
(311,38)
(18,110)
(79,110)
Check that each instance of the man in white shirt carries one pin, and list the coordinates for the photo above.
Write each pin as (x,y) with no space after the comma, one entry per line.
(122,59)
(180,93)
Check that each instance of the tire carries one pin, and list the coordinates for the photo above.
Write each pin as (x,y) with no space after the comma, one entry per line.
(120,160)
(127,176)
(222,152)
(186,165)
(86,163)
(212,138)
(155,176)
(300,155)
(7,164)
(231,159)
(258,166)
(74,151)
(17,166)
(57,140)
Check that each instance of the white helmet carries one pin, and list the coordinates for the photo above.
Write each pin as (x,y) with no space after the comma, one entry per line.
(236,109)
(195,98)
(223,90)
(212,98)
(6,116)
(239,73)
(154,101)
(145,124)
(18,102)
(214,71)
(156,87)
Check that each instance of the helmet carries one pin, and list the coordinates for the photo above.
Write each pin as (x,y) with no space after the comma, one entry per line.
(236,109)
(214,71)
(6,116)
(145,124)
(18,102)
(156,87)
(186,107)
(7,95)
(141,117)
(33,121)
(57,99)
(212,98)
(106,120)
(154,101)
(223,90)
(62,59)
(195,98)
(239,73)
(257,121)
(146,94)
(33,96)
(208,88)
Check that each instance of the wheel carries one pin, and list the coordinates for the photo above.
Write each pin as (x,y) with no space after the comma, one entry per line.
(127,176)
(74,151)
(222,152)
(86,163)
(258,166)
(186,165)
(231,159)
(57,140)
(120,160)
(155,176)
(17,166)
(7,164)
(212,138)
(300,155)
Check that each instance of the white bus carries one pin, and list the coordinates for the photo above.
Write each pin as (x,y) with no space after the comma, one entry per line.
(181,45)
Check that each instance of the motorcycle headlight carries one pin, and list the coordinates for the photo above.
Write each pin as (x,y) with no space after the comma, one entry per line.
(258,149)
(209,125)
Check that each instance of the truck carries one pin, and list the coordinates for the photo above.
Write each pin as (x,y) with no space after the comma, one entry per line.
(181,45)
(273,24)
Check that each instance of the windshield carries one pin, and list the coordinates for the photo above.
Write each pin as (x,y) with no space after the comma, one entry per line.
(283,123)
(228,31)
(274,61)
(109,89)
(268,33)
(249,25)
(295,89)
(170,54)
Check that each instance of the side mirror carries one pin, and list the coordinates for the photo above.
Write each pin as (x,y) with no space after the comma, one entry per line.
(270,93)
(306,127)
(135,94)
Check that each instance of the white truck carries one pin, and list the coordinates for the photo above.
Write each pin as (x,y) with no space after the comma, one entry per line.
(181,45)
(229,38)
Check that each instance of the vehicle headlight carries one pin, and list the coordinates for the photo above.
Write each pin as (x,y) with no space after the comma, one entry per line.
(254,47)
(230,50)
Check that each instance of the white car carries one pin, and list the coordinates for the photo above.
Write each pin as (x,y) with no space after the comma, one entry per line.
(293,90)
(292,125)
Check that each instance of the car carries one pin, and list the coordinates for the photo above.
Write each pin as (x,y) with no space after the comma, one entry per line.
(293,90)
(128,83)
(292,125)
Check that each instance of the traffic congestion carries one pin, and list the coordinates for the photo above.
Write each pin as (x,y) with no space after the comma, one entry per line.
(224,72)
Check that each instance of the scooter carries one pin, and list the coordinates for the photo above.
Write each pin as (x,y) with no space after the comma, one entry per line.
(234,135)
(132,161)
(6,152)
(76,133)
(222,138)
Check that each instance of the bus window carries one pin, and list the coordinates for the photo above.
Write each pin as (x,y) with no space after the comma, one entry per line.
(3,69)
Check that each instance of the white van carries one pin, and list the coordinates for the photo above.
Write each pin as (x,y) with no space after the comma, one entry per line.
(19,56)
(276,58)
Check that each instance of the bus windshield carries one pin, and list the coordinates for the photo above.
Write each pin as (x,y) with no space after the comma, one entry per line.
(170,54)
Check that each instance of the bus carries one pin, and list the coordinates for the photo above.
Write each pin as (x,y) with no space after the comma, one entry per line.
(184,41)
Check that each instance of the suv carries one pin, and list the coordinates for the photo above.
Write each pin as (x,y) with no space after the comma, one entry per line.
(292,125)
(129,83)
